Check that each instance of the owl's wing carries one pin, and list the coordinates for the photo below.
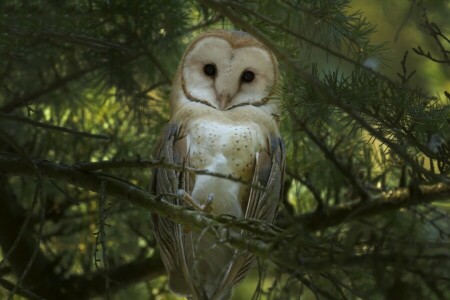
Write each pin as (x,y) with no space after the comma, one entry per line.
(262,203)
(269,174)
(172,149)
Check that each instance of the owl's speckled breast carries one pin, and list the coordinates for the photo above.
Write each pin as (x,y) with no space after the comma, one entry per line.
(225,142)
(226,149)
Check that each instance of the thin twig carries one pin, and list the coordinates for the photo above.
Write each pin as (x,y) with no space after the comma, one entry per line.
(53,127)
(343,168)
(20,291)
(436,33)
(38,192)
(72,38)
(145,164)
(101,239)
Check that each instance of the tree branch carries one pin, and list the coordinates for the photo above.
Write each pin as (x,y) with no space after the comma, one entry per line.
(382,203)
(332,216)
(23,100)
(77,39)
(345,169)
(19,259)
(138,163)
(20,291)
(53,127)
(121,276)
(436,33)
(386,201)
(13,165)
(239,234)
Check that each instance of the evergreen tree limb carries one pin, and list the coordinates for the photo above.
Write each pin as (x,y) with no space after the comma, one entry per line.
(308,40)
(53,285)
(290,257)
(325,92)
(384,202)
(345,169)
(77,39)
(26,99)
(53,127)
(25,248)
(82,286)
(437,35)
(12,165)
(6,284)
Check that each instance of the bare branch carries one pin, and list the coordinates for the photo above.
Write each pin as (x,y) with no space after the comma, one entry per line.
(138,163)
(436,33)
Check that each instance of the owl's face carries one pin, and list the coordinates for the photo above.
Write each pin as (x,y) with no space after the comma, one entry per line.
(224,69)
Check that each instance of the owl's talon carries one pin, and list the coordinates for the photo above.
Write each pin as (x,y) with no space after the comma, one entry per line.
(194,203)
(207,207)
(189,200)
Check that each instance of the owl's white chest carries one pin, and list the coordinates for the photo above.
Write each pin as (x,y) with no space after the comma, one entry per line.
(226,149)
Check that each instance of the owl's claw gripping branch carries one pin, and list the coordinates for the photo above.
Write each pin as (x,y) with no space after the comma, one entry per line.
(194,203)
(207,207)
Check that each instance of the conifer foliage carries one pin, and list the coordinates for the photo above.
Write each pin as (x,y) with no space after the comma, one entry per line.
(84,89)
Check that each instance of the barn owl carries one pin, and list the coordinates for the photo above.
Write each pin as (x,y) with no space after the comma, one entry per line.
(224,119)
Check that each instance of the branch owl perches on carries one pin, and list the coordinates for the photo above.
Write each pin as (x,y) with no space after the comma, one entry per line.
(224,120)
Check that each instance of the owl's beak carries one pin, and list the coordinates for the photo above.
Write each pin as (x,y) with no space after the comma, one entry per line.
(226,89)
(224,99)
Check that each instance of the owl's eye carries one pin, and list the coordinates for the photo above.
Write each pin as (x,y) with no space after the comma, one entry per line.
(209,69)
(248,76)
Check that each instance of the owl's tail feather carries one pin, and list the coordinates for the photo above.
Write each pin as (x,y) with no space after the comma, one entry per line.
(237,270)
(180,278)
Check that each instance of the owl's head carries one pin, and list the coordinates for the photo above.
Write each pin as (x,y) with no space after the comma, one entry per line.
(225,69)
